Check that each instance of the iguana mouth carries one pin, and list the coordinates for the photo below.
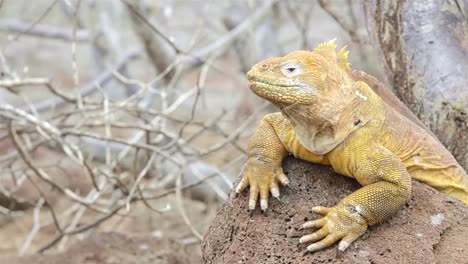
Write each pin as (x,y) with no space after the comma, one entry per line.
(274,92)
(281,92)
(264,83)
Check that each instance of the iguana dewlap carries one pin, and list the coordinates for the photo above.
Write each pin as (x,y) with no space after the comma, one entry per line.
(329,118)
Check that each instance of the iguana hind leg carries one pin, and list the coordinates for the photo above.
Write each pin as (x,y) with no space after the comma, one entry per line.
(387,187)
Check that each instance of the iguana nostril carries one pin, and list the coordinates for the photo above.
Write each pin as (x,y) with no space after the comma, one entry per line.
(264,66)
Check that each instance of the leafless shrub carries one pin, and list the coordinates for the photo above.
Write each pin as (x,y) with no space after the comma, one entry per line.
(139,118)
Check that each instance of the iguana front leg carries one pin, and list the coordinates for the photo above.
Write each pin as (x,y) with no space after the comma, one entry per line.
(270,144)
(263,169)
(387,187)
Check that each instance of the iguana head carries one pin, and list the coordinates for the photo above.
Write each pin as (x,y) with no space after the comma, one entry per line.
(315,92)
(301,77)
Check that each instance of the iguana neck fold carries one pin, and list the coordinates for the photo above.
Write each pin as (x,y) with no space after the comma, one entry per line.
(320,128)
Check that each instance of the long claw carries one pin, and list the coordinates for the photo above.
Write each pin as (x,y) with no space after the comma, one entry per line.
(339,253)
(283,179)
(279,200)
(342,246)
(253,197)
(275,192)
(263,204)
(242,185)
(314,223)
(327,241)
(349,239)
(251,212)
(264,193)
(323,232)
(252,204)
(321,210)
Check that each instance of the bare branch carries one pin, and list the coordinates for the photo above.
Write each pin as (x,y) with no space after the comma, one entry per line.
(42,31)
(87,89)
(350,29)
(34,230)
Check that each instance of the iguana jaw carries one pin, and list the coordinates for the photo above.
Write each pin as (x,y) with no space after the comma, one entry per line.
(281,94)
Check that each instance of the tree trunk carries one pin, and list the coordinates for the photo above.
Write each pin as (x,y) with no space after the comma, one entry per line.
(424,48)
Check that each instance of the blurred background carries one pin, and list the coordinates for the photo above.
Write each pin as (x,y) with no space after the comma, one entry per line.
(133,116)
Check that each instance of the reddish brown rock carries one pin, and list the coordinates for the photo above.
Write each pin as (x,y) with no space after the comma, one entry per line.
(431,228)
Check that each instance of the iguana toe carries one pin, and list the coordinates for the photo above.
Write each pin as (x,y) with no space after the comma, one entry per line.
(263,179)
(337,224)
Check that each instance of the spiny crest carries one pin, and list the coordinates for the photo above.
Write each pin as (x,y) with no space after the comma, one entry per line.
(328,50)
(325,46)
(342,58)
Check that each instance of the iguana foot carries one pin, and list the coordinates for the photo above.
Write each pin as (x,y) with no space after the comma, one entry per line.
(262,177)
(341,222)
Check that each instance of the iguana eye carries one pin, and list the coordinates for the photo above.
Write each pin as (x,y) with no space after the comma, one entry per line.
(291,69)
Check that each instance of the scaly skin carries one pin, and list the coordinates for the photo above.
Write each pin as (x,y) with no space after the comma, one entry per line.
(328,117)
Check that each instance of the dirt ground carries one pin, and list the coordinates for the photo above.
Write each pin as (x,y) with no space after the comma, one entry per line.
(113,248)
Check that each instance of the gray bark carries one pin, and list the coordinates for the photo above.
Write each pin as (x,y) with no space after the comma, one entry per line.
(424,48)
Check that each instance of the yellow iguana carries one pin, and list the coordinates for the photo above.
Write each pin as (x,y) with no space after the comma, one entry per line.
(330,116)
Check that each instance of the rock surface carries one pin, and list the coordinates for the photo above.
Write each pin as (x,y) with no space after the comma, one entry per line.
(431,228)
(114,248)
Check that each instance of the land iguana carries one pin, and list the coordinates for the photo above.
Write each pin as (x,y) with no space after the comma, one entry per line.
(330,116)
